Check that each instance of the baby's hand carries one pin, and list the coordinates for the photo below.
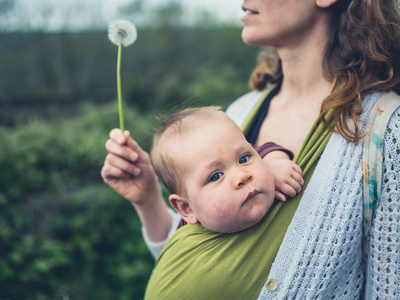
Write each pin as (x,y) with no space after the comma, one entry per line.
(288,176)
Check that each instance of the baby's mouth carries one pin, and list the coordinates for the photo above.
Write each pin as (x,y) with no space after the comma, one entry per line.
(250,196)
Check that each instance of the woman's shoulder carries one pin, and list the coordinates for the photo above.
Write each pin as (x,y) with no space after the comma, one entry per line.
(390,106)
(385,107)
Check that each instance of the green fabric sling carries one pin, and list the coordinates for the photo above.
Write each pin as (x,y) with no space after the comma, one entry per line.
(200,264)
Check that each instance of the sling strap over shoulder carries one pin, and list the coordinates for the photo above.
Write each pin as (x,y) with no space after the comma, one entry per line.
(373,158)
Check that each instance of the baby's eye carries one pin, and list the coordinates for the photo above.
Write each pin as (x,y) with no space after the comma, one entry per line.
(244,159)
(215,176)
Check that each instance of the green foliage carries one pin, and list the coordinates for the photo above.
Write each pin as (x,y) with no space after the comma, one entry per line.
(73,150)
(87,245)
(168,15)
(212,86)
(158,71)
(61,230)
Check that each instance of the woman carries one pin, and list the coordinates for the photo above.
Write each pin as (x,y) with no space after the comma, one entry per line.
(333,60)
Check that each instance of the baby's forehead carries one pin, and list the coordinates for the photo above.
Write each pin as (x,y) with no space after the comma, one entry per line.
(188,132)
(202,133)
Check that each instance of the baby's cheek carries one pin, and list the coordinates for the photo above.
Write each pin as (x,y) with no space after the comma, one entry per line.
(268,182)
(219,217)
(265,175)
(221,208)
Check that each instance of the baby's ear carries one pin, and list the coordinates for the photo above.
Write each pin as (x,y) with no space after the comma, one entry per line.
(182,206)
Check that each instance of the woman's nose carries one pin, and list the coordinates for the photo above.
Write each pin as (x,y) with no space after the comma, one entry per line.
(242,179)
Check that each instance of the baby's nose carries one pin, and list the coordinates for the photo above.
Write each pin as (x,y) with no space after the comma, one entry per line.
(242,179)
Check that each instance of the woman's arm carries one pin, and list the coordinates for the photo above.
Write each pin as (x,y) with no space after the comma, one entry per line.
(127,170)
(383,273)
(155,248)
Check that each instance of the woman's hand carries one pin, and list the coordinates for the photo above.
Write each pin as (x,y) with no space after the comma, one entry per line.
(288,176)
(127,169)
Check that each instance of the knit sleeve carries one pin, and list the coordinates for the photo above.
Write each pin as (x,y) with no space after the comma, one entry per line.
(383,271)
(156,247)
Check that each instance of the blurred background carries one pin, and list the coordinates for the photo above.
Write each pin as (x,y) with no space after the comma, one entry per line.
(64,234)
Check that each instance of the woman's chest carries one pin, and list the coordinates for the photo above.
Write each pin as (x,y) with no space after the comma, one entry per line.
(287,128)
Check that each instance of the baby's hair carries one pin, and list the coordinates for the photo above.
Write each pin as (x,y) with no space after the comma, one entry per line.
(176,126)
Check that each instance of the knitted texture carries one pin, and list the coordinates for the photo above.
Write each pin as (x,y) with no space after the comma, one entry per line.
(383,273)
(321,254)
(156,247)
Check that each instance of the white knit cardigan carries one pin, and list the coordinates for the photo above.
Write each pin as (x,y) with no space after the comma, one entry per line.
(321,254)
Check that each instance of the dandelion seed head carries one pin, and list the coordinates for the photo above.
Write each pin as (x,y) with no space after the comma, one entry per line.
(122,32)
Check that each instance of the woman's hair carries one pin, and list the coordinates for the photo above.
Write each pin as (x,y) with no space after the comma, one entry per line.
(362,56)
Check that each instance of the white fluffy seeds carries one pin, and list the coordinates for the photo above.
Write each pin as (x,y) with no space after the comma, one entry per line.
(122,32)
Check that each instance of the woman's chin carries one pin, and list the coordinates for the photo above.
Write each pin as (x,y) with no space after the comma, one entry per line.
(252,39)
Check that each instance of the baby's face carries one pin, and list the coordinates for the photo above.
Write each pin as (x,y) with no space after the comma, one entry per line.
(227,184)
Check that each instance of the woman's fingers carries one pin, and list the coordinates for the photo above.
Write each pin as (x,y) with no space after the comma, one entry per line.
(117,136)
(109,172)
(120,150)
(130,148)
(122,164)
(132,144)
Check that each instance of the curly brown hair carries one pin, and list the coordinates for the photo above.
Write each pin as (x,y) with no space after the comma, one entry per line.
(362,56)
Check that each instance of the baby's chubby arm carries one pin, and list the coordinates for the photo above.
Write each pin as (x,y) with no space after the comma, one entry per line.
(288,176)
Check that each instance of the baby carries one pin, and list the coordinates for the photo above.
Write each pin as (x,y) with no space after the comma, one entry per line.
(215,177)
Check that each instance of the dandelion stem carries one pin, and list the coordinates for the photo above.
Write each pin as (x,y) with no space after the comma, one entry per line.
(121,113)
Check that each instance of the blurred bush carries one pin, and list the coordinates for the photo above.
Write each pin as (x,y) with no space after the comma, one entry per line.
(63,232)
(163,68)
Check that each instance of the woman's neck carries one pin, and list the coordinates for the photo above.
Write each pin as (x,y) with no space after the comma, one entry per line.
(302,66)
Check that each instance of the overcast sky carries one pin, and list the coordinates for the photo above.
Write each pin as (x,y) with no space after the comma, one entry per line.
(225,9)
(56,15)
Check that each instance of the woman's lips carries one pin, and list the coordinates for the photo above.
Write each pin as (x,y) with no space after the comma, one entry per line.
(249,13)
